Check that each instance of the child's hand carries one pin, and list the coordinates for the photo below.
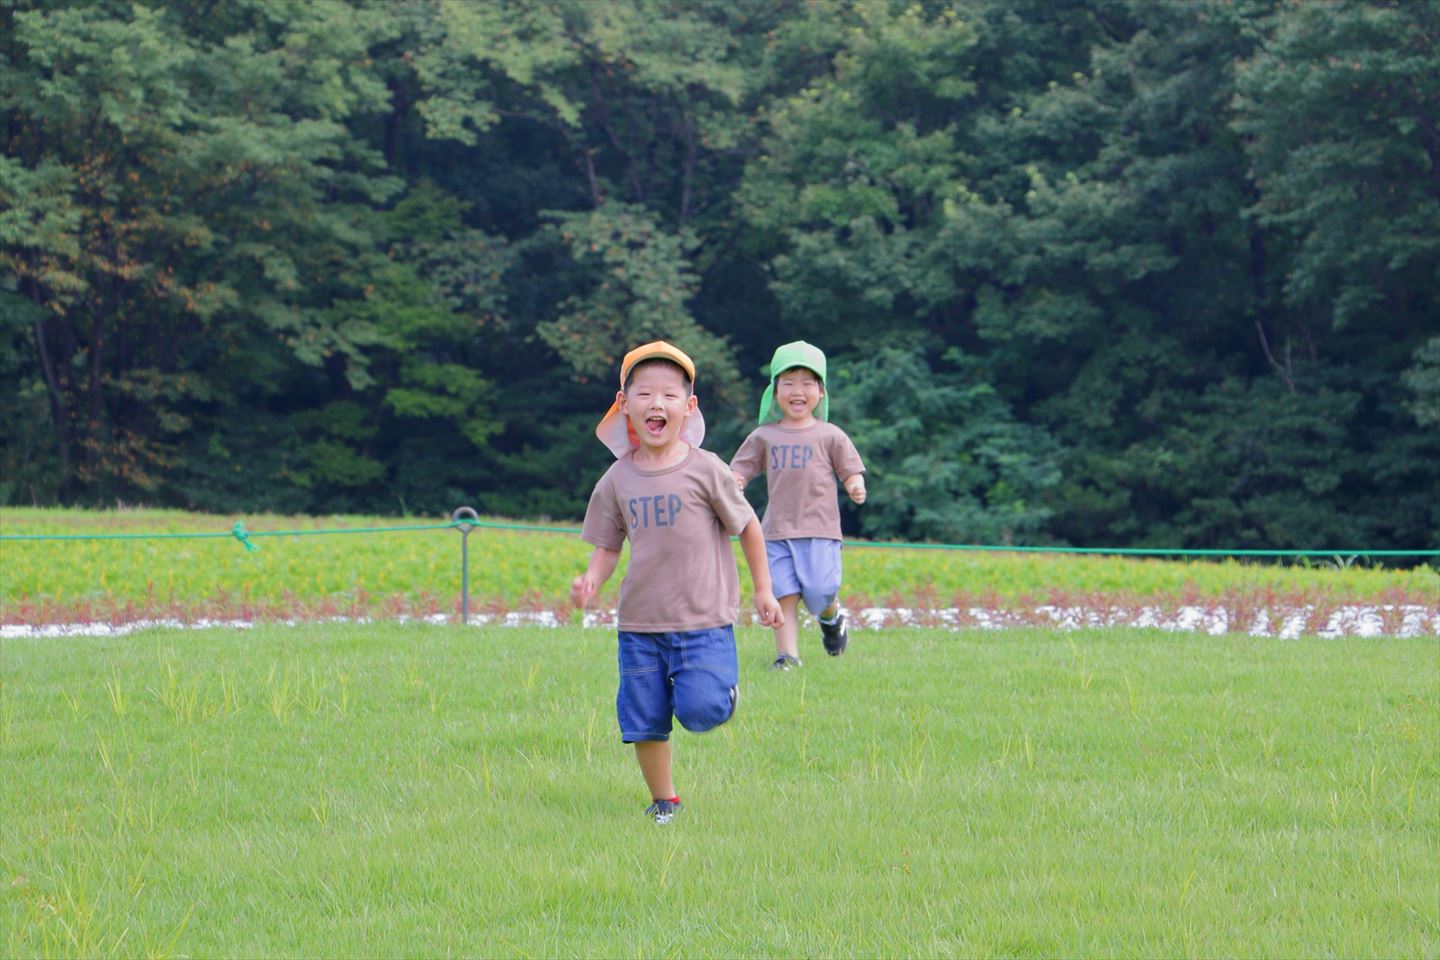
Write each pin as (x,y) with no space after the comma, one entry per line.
(739,481)
(855,486)
(768,608)
(582,589)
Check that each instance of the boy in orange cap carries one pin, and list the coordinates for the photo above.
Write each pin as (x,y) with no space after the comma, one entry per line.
(678,507)
(802,454)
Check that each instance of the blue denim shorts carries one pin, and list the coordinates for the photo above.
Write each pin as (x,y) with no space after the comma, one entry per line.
(693,676)
(808,566)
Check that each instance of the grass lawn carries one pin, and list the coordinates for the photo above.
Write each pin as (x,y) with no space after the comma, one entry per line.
(408,790)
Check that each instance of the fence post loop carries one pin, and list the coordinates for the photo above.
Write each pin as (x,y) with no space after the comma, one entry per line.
(240,533)
(464,519)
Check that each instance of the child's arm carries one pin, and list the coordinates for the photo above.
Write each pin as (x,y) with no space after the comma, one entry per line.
(748,460)
(855,487)
(752,541)
(602,564)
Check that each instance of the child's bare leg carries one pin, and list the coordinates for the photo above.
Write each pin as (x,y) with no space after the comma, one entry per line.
(787,635)
(829,612)
(654,757)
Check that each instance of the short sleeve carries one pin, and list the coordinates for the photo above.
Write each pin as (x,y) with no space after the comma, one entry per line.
(731,507)
(604,525)
(844,456)
(749,460)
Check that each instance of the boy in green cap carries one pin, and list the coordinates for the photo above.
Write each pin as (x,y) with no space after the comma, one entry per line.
(802,454)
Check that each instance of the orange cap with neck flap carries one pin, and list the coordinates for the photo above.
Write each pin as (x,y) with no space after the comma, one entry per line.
(615,430)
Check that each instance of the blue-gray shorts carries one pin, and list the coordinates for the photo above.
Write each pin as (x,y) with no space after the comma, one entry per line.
(693,676)
(807,566)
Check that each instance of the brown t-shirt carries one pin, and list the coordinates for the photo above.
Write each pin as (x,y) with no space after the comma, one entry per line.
(800,466)
(679,521)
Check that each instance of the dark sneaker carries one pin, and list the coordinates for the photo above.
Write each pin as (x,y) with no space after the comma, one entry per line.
(663,811)
(834,635)
(786,662)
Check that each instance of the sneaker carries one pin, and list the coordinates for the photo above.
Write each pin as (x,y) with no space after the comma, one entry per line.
(663,810)
(834,635)
(786,662)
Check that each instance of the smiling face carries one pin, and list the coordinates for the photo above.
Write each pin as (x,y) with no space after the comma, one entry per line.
(657,398)
(797,394)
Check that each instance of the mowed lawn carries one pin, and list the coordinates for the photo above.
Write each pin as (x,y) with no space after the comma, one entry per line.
(412,790)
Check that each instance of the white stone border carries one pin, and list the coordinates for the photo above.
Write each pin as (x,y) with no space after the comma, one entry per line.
(1345,621)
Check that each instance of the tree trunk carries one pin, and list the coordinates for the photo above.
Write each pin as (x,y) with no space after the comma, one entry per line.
(59,412)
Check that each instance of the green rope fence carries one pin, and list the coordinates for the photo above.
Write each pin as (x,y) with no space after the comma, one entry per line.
(238,532)
(244,536)
(466,521)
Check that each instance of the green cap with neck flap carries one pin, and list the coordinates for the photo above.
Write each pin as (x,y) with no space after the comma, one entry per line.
(787,356)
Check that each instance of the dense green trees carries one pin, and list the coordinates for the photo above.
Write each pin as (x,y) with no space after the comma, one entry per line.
(1101,273)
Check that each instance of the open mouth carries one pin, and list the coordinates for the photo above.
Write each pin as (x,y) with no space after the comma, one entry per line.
(655,425)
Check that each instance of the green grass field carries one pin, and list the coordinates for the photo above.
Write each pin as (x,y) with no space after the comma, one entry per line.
(392,790)
(418,572)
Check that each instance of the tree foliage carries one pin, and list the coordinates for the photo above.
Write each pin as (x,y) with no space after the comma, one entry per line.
(1088,272)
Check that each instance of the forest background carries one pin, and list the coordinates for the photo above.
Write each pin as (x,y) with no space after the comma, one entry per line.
(1096,273)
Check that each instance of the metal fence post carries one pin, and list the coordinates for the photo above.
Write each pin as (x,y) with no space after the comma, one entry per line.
(468,514)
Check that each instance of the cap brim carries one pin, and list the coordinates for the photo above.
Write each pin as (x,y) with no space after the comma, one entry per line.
(658,350)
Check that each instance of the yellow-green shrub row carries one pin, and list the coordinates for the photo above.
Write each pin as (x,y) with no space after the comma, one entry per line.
(518,567)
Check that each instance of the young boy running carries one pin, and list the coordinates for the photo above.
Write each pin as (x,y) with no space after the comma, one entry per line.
(678,507)
(802,454)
